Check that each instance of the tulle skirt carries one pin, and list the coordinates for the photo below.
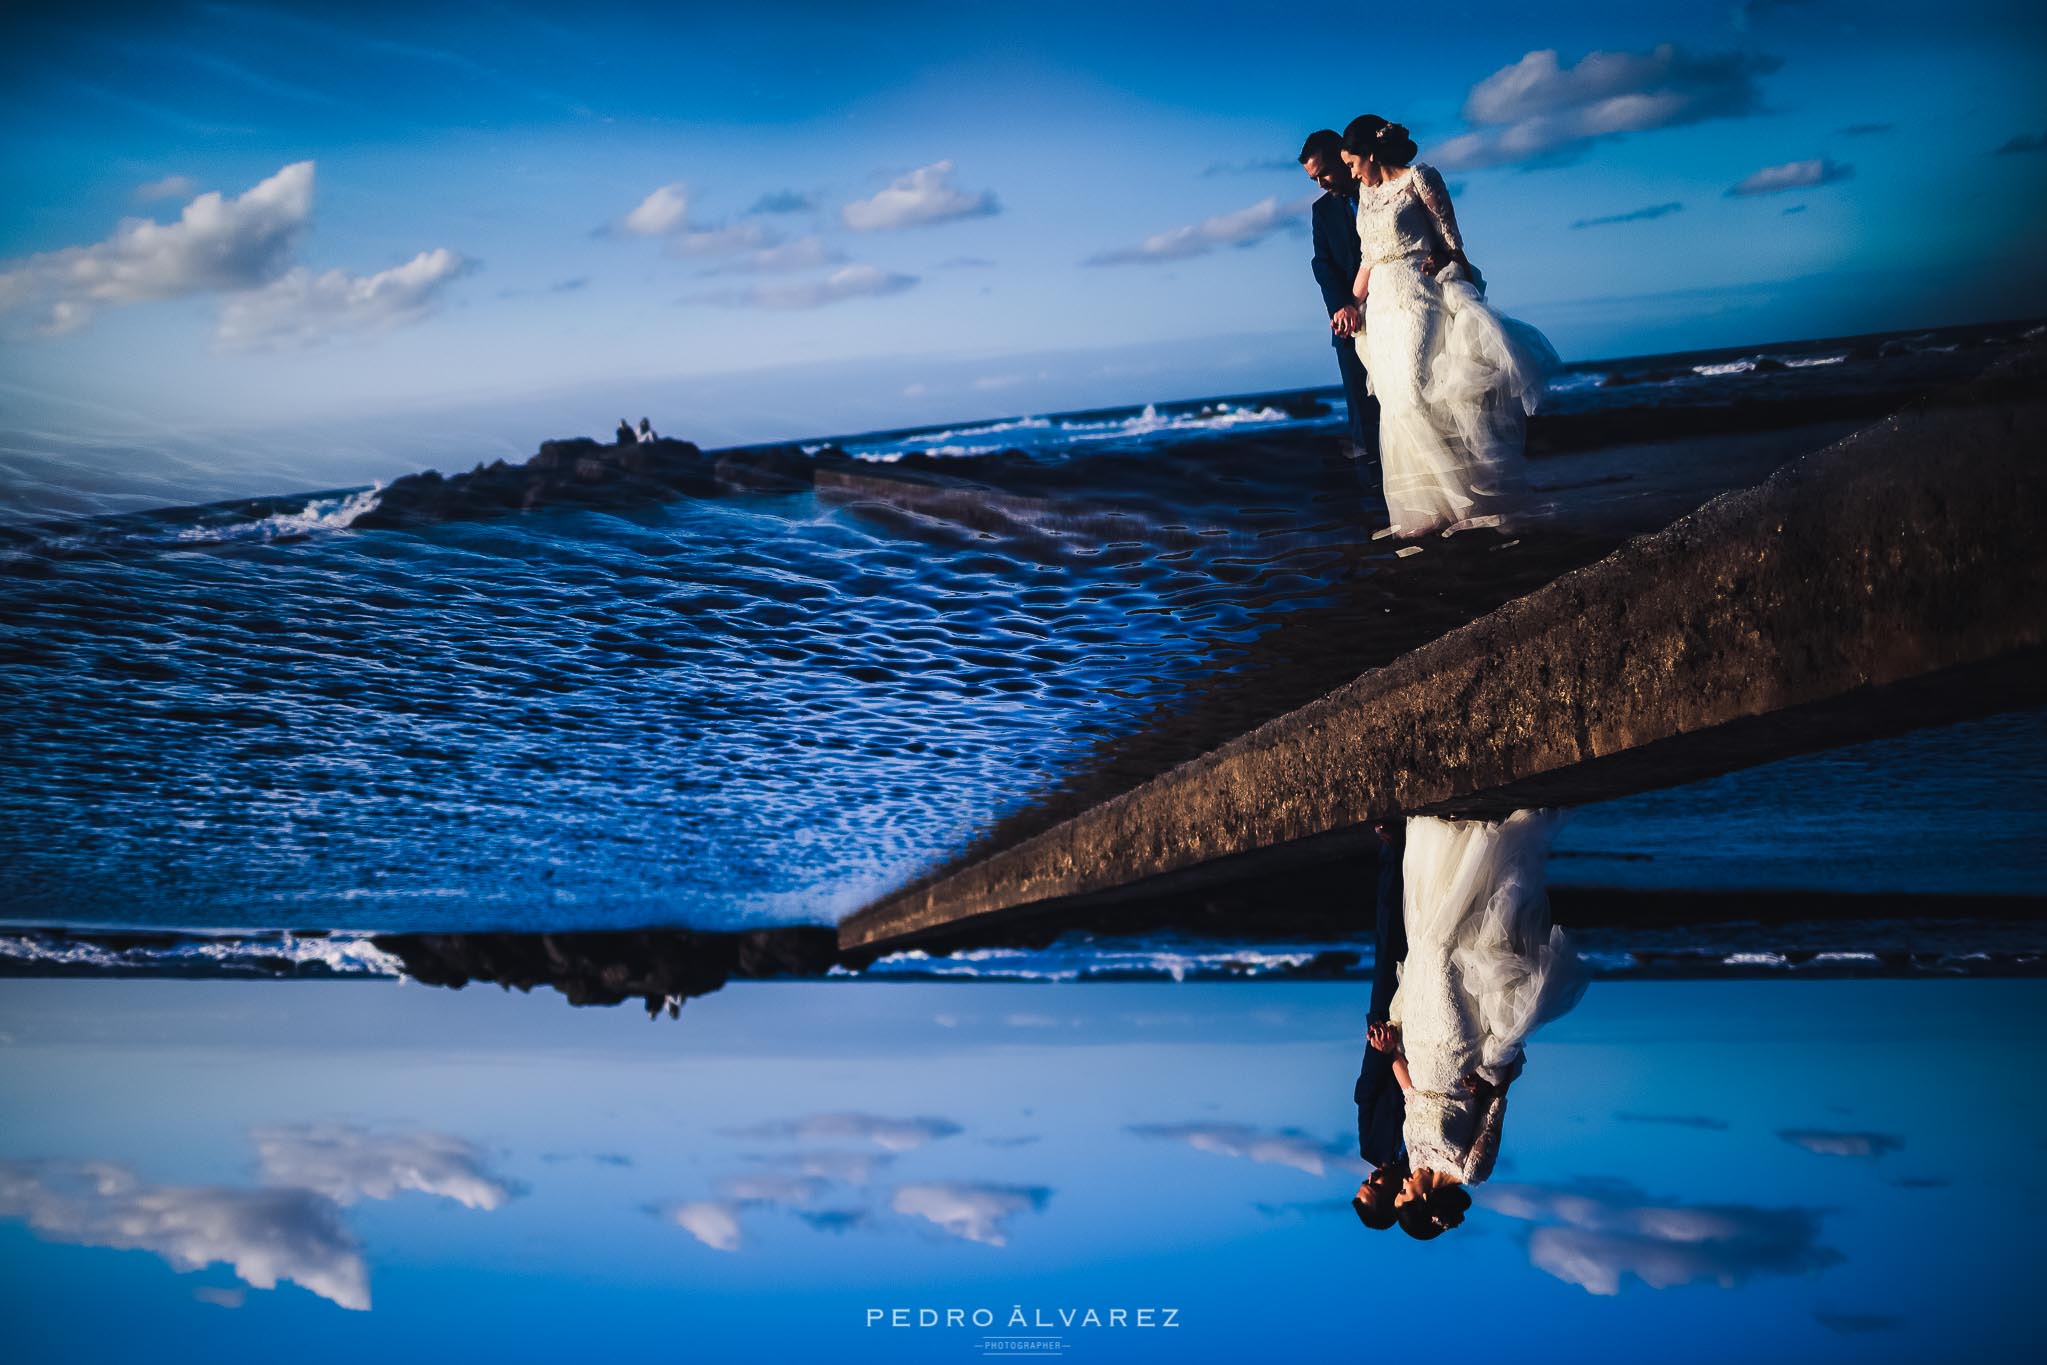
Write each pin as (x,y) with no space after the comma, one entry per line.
(1475,892)
(1456,382)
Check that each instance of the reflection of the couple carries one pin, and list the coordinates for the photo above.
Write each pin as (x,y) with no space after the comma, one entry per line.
(1466,966)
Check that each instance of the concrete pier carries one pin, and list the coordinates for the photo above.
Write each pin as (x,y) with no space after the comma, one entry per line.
(1893,580)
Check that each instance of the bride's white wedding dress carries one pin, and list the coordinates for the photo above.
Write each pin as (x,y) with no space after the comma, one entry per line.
(1484,968)
(1454,379)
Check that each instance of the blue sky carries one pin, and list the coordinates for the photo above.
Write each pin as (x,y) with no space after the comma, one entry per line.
(926,213)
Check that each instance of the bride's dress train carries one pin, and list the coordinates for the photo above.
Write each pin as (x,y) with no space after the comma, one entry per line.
(1455,379)
(1484,969)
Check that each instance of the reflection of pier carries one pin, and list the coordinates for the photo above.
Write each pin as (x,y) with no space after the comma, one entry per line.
(1891,581)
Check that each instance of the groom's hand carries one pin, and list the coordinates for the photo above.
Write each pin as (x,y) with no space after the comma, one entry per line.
(1480,1087)
(1383,1037)
(1345,321)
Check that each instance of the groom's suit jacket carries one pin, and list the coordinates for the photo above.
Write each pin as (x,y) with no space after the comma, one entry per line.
(1381,1109)
(1334,220)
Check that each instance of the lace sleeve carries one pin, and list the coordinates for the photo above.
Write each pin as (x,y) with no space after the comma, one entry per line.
(1435,197)
(1478,1163)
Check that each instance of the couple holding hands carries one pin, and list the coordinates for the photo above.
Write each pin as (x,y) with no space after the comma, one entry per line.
(1467,966)
(1453,379)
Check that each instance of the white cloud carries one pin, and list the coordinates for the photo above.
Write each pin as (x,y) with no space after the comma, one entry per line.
(970,1212)
(170,187)
(665,213)
(1286,1147)
(265,1235)
(241,248)
(347,1164)
(1245,227)
(303,309)
(715,1223)
(1538,108)
(891,1135)
(216,243)
(805,253)
(926,195)
(1792,175)
(847,282)
(660,213)
(719,241)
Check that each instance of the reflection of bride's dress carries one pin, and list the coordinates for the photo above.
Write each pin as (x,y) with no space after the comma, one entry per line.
(1454,379)
(1484,968)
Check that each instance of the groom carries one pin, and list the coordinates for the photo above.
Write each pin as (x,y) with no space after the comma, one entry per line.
(1381,1110)
(1336,271)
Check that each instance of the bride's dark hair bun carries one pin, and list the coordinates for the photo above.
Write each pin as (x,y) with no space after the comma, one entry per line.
(1396,148)
(1386,143)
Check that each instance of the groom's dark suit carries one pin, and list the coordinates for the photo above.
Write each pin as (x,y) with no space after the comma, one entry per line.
(1381,1110)
(1335,225)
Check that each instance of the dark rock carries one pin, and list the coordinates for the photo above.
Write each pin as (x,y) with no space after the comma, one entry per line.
(577,472)
(661,966)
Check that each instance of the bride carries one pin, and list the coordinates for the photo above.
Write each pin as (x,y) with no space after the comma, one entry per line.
(1484,969)
(1454,379)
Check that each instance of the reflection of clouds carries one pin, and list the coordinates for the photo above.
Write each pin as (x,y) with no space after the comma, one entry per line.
(264,1235)
(714,1222)
(972,1212)
(1677,1121)
(782,1191)
(849,1168)
(1870,1145)
(1284,1147)
(1595,1236)
(891,1135)
(1849,1324)
(347,1164)
(836,1220)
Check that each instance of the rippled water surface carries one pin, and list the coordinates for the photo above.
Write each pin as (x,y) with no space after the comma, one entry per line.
(768,706)
(1688,1172)
(763,706)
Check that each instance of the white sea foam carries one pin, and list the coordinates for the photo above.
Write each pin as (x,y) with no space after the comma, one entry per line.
(1810,361)
(344,955)
(321,514)
(1070,962)
(1729,367)
(1221,417)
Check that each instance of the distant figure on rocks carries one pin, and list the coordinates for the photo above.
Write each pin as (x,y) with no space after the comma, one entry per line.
(646,430)
(626,435)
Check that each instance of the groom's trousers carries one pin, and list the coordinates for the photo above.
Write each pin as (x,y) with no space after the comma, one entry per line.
(1357,396)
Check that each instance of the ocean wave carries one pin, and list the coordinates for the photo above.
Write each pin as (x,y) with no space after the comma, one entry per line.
(1076,961)
(321,514)
(1219,417)
(322,954)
